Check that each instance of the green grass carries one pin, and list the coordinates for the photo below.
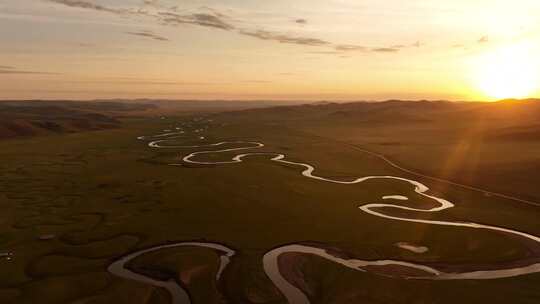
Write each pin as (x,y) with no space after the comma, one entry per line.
(104,194)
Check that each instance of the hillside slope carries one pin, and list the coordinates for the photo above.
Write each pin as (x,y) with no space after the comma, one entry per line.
(34,118)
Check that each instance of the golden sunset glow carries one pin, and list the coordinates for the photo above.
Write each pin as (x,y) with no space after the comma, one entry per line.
(239,49)
(508,72)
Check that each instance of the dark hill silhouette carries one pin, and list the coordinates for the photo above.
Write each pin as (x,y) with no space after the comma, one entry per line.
(33,118)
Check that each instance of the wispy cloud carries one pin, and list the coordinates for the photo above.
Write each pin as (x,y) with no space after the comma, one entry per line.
(325,52)
(391,49)
(170,17)
(9,70)
(151,2)
(211,18)
(283,38)
(385,50)
(89,5)
(350,47)
(201,19)
(256,81)
(86,45)
(146,82)
(360,48)
(148,34)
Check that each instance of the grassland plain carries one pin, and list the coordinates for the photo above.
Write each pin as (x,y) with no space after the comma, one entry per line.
(490,145)
(103,194)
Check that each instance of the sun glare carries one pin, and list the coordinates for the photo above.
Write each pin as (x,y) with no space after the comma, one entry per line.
(508,72)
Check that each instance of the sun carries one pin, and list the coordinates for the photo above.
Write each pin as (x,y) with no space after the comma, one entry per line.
(508,72)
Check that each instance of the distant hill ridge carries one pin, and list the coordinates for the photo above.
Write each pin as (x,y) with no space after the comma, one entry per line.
(33,118)
(394,111)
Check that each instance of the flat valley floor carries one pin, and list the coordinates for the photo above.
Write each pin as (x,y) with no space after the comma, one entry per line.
(72,205)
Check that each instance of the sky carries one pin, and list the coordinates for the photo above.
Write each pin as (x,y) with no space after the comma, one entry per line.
(279,49)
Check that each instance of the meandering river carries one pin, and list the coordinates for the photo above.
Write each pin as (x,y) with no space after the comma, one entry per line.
(293,293)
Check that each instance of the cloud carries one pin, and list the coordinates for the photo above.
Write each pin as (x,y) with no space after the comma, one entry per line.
(283,38)
(342,48)
(325,52)
(88,5)
(9,70)
(256,81)
(151,2)
(417,44)
(148,34)
(385,50)
(149,82)
(86,45)
(213,20)
(208,17)
(201,19)
(350,47)
(483,39)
